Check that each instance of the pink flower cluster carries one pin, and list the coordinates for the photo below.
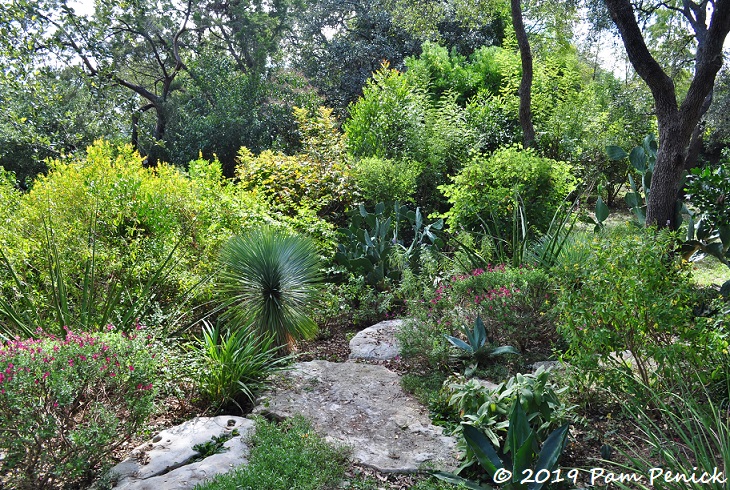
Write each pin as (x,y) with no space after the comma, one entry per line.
(103,359)
(502,292)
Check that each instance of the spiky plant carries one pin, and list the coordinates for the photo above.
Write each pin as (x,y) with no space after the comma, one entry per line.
(269,281)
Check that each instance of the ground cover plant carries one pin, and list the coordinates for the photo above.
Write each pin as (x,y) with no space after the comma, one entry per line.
(290,455)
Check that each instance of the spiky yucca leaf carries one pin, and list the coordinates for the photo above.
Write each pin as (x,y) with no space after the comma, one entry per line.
(269,281)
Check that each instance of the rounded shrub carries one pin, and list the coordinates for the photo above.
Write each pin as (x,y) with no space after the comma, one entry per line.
(628,304)
(383,180)
(486,188)
(66,403)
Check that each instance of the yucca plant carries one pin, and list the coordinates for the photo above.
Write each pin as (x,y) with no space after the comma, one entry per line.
(269,280)
(88,304)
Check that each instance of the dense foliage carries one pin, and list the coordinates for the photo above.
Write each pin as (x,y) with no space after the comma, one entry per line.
(70,402)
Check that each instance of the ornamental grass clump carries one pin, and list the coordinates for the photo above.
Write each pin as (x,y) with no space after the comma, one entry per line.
(66,403)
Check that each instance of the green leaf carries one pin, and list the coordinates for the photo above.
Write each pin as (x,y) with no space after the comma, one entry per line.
(601,210)
(480,333)
(483,450)
(457,480)
(550,452)
(638,159)
(504,349)
(616,152)
(456,342)
(632,200)
(519,428)
(523,458)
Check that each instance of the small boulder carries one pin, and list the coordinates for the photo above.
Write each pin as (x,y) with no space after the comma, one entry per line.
(377,342)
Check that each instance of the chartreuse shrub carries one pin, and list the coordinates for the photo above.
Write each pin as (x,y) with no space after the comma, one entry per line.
(316,182)
(628,304)
(111,215)
(66,403)
(485,190)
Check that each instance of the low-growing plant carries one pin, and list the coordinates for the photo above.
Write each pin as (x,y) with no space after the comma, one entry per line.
(514,304)
(285,456)
(380,246)
(479,346)
(235,364)
(517,464)
(488,408)
(687,433)
(67,403)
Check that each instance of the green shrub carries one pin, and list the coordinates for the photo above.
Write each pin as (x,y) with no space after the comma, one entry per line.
(383,180)
(486,188)
(629,304)
(514,303)
(107,207)
(65,404)
(317,179)
(389,120)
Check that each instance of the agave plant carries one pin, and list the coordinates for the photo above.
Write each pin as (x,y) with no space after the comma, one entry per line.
(478,345)
(269,281)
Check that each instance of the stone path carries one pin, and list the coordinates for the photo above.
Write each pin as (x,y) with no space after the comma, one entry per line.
(168,460)
(364,407)
(352,403)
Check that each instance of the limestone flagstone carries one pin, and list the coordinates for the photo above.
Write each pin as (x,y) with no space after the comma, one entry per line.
(168,460)
(364,407)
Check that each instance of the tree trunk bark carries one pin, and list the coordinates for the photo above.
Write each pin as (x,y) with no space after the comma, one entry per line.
(664,190)
(675,123)
(525,91)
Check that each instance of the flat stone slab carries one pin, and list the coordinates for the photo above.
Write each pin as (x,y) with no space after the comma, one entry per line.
(362,406)
(377,342)
(168,459)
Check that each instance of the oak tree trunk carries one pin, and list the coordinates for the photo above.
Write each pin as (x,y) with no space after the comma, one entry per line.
(676,122)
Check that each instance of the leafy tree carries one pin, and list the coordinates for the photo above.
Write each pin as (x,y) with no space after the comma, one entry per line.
(223,109)
(340,43)
(676,121)
(48,113)
(145,47)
